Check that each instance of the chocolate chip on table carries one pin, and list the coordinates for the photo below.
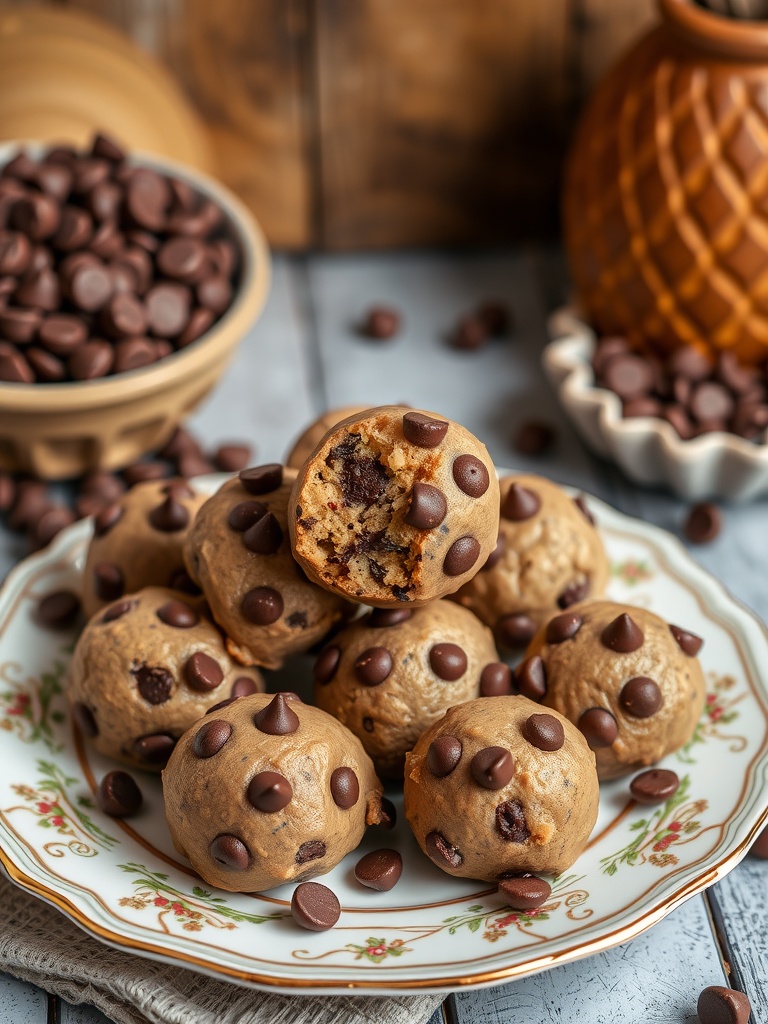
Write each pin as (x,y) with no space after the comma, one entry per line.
(231,458)
(345,788)
(428,507)
(703,523)
(525,892)
(492,767)
(544,731)
(759,848)
(461,556)
(230,852)
(154,749)
(379,870)
(381,323)
(277,718)
(520,503)
(496,317)
(119,794)
(688,643)
(269,792)
(720,1005)
(442,851)
(534,438)
(470,334)
(515,630)
(599,727)
(178,614)
(262,479)
(641,697)
(563,627)
(373,666)
(654,786)
(496,680)
(423,431)
(315,907)
(58,610)
(448,661)
(202,672)
(622,635)
(443,755)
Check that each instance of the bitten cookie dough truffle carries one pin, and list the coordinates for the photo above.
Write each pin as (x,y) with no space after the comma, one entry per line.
(496,788)
(138,542)
(389,675)
(630,681)
(238,552)
(315,432)
(548,556)
(266,791)
(395,507)
(144,669)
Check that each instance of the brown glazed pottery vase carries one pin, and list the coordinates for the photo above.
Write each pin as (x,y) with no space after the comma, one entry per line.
(666,189)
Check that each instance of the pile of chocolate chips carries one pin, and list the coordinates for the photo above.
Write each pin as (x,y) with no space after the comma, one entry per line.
(104,266)
(687,390)
(27,505)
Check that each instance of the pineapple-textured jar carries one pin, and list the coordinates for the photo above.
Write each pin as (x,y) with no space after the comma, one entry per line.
(666,189)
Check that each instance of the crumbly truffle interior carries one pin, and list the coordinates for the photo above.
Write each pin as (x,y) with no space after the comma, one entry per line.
(354,512)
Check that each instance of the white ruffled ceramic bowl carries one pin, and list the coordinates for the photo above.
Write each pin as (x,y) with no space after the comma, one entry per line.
(648,449)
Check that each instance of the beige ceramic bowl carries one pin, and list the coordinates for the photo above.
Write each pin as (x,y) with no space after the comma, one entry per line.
(64,430)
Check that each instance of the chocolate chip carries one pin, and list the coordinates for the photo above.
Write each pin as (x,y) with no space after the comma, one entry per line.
(520,503)
(178,614)
(373,666)
(381,323)
(563,627)
(154,749)
(622,635)
(759,848)
(179,579)
(183,259)
(525,892)
(277,718)
(119,795)
(269,792)
(368,724)
(443,755)
(495,680)
(58,609)
(427,508)
(690,363)
(379,870)
(510,822)
(514,631)
(262,606)
(85,720)
(37,215)
(383,618)
(39,289)
(245,514)
(688,643)
(202,672)
(314,907)
(154,683)
(471,476)
(461,556)
(133,353)
(492,767)
(599,727)
(231,458)
(641,697)
(107,518)
(711,401)
(108,582)
(214,293)
(221,705)
(573,594)
(48,368)
(544,731)
(448,661)
(265,536)
(117,611)
(362,479)
(423,431)
(629,376)
(442,851)
(470,334)
(534,438)
(720,1005)
(14,368)
(495,556)
(243,686)
(167,309)
(654,786)
(638,407)
(230,852)
(141,472)
(262,479)
(581,504)
(20,325)
(345,789)
(15,253)
(679,420)
(211,737)
(388,814)
(703,523)
(314,849)
(170,516)
(326,665)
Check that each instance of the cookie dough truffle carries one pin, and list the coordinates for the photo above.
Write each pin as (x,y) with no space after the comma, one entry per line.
(144,669)
(267,791)
(395,507)
(630,681)
(138,542)
(238,552)
(388,676)
(496,788)
(315,432)
(548,556)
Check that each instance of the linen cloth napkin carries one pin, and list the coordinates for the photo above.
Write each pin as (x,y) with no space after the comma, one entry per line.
(40,945)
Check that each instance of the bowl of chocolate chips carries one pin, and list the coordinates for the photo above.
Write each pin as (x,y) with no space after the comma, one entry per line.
(695,423)
(126,283)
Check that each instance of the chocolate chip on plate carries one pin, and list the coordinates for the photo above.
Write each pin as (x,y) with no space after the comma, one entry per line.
(315,907)
(703,523)
(720,1005)
(58,609)
(525,892)
(379,869)
(654,786)
(119,795)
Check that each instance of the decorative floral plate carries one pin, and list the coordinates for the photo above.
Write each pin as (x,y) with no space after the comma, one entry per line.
(123,882)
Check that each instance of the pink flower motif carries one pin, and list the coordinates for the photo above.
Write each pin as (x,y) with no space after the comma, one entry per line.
(44,807)
(57,820)
(22,699)
(15,711)
(675,826)
(160,901)
(504,921)
(711,698)
(376,950)
(716,713)
(177,908)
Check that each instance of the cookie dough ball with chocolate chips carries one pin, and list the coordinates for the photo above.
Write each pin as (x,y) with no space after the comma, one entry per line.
(395,507)
(315,432)
(138,541)
(238,552)
(267,791)
(548,556)
(630,681)
(496,788)
(144,670)
(388,676)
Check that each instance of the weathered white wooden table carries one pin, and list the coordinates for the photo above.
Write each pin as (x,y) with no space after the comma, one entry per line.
(303,357)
